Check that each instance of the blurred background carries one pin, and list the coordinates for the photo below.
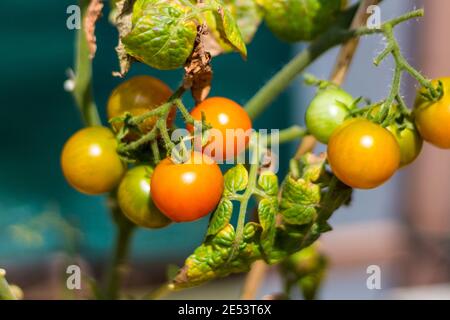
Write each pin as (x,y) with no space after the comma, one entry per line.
(403,227)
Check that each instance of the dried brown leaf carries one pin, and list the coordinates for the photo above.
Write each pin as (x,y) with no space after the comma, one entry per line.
(93,13)
(123,23)
(198,71)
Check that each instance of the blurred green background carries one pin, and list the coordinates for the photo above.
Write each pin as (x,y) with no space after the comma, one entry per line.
(38,116)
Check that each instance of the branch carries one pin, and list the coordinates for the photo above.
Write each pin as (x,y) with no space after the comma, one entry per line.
(82,80)
(257,273)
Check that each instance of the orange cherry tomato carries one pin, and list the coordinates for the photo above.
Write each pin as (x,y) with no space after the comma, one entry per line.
(231,123)
(433,117)
(139,95)
(187,191)
(362,154)
(90,162)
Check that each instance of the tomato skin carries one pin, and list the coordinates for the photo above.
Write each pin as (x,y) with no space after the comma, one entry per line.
(326,112)
(362,154)
(135,200)
(188,191)
(222,114)
(433,118)
(139,95)
(90,162)
(410,143)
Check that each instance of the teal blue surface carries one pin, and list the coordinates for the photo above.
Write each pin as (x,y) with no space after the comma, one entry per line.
(37,116)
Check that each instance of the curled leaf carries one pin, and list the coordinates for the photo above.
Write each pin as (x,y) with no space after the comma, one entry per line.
(236,179)
(221,217)
(122,20)
(93,13)
(162,34)
(198,71)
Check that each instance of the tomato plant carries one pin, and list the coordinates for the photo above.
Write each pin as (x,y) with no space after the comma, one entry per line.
(231,122)
(135,201)
(90,163)
(363,154)
(433,117)
(327,111)
(187,191)
(366,145)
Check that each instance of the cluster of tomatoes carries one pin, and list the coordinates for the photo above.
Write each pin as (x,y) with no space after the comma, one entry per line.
(151,196)
(364,154)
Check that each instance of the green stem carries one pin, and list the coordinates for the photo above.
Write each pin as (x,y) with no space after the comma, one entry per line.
(119,260)
(82,91)
(254,165)
(5,291)
(290,134)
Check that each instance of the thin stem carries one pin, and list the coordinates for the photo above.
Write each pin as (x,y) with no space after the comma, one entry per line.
(118,263)
(155,151)
(395,88)
(252,177)
(184,112)
(290,134)
(5,290)
(82,91)
(149,136)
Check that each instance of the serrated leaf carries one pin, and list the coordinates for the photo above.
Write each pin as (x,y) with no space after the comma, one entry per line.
(236,179)
(221,217)
(312,166)
(268,181)
(163,33)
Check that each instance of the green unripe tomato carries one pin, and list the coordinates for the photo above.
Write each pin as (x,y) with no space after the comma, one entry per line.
(327,111)
(300,20)
(409,141)
(135,200)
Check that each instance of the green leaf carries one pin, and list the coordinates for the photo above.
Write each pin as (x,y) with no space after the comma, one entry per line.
(221,217)
(268,181)
(163,33)
(267,211)
(236,179)
(210,260)
(248,16)
(299,215)
(226,26)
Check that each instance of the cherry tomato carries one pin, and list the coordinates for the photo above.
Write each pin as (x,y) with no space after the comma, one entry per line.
(408,138)
(135,200)
(231,123)
(327,111)
(139,95)
(187,191)
(89,161)
(362,154)
(409,141)
(433,117)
